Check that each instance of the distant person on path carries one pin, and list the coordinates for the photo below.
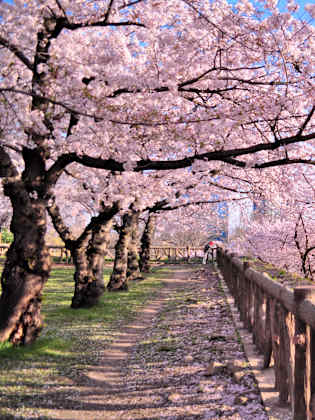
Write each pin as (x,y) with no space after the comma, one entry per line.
(206,250)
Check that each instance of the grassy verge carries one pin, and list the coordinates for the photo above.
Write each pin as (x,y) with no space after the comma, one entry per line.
(70,341)
(279,275)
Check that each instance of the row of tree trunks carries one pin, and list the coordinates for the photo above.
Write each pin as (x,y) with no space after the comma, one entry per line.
(28,262)
(89,249)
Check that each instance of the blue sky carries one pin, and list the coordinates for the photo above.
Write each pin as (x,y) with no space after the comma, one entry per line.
(281,3)
(282,6)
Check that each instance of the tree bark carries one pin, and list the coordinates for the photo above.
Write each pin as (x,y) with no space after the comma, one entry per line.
(28,263)
(87,252)
(146,242)
(133,269)
(89,267)
(118,279)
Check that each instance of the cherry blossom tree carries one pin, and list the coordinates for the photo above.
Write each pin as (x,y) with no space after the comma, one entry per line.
(91,190)
(192,226)
(304,239)
(281,230)
(193,209)
(137,87)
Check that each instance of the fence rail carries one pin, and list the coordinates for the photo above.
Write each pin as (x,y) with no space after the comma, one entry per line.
(282,322)
(60,252)
(157,252)
(175,253)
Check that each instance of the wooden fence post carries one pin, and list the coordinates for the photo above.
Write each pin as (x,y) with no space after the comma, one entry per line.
(304,363)
(268,336)
(284,356)
(243,292)
(259,318)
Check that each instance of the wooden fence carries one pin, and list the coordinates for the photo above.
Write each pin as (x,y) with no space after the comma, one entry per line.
(282,322)
(59,252)
(160,253)
(175,253)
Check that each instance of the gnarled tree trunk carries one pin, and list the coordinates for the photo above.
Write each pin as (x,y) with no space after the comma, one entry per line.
(87,252)
(27,264)
(81,276)
(146,242)
(118,279)
(89,267)
(133,269)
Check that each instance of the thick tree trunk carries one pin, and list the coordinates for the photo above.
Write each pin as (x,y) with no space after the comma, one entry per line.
(26,268)
(89,267)
(96,253)
(87,256)
(146,242)
(133,269)
(118,279)
(27,265)
(87,252)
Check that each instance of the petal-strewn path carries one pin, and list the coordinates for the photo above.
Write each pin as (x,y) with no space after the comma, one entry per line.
(181,359)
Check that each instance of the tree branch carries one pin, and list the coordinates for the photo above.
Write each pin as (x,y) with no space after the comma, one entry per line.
(147,164)
(66,159)
(15,50)
(132,3)
(282,162)
(61,228)
(228,155)
(9,146)
(307,120)
(108,10)
(61,8)
(165,207)
(63,23)
(52,101)
(180,87)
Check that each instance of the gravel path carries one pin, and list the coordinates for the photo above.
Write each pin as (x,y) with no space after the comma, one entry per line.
(181,359)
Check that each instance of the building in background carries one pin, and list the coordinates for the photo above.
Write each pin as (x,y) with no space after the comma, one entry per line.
(239,214)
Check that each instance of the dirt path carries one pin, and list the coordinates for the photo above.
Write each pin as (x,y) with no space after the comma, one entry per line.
(173,362)
(110,373)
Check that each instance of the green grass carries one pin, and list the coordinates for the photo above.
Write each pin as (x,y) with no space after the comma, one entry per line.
(279,275)
(71,339)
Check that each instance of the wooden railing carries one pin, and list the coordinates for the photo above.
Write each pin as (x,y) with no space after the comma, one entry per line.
(175,253)
(60,252)
(282,322)
(158,253)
